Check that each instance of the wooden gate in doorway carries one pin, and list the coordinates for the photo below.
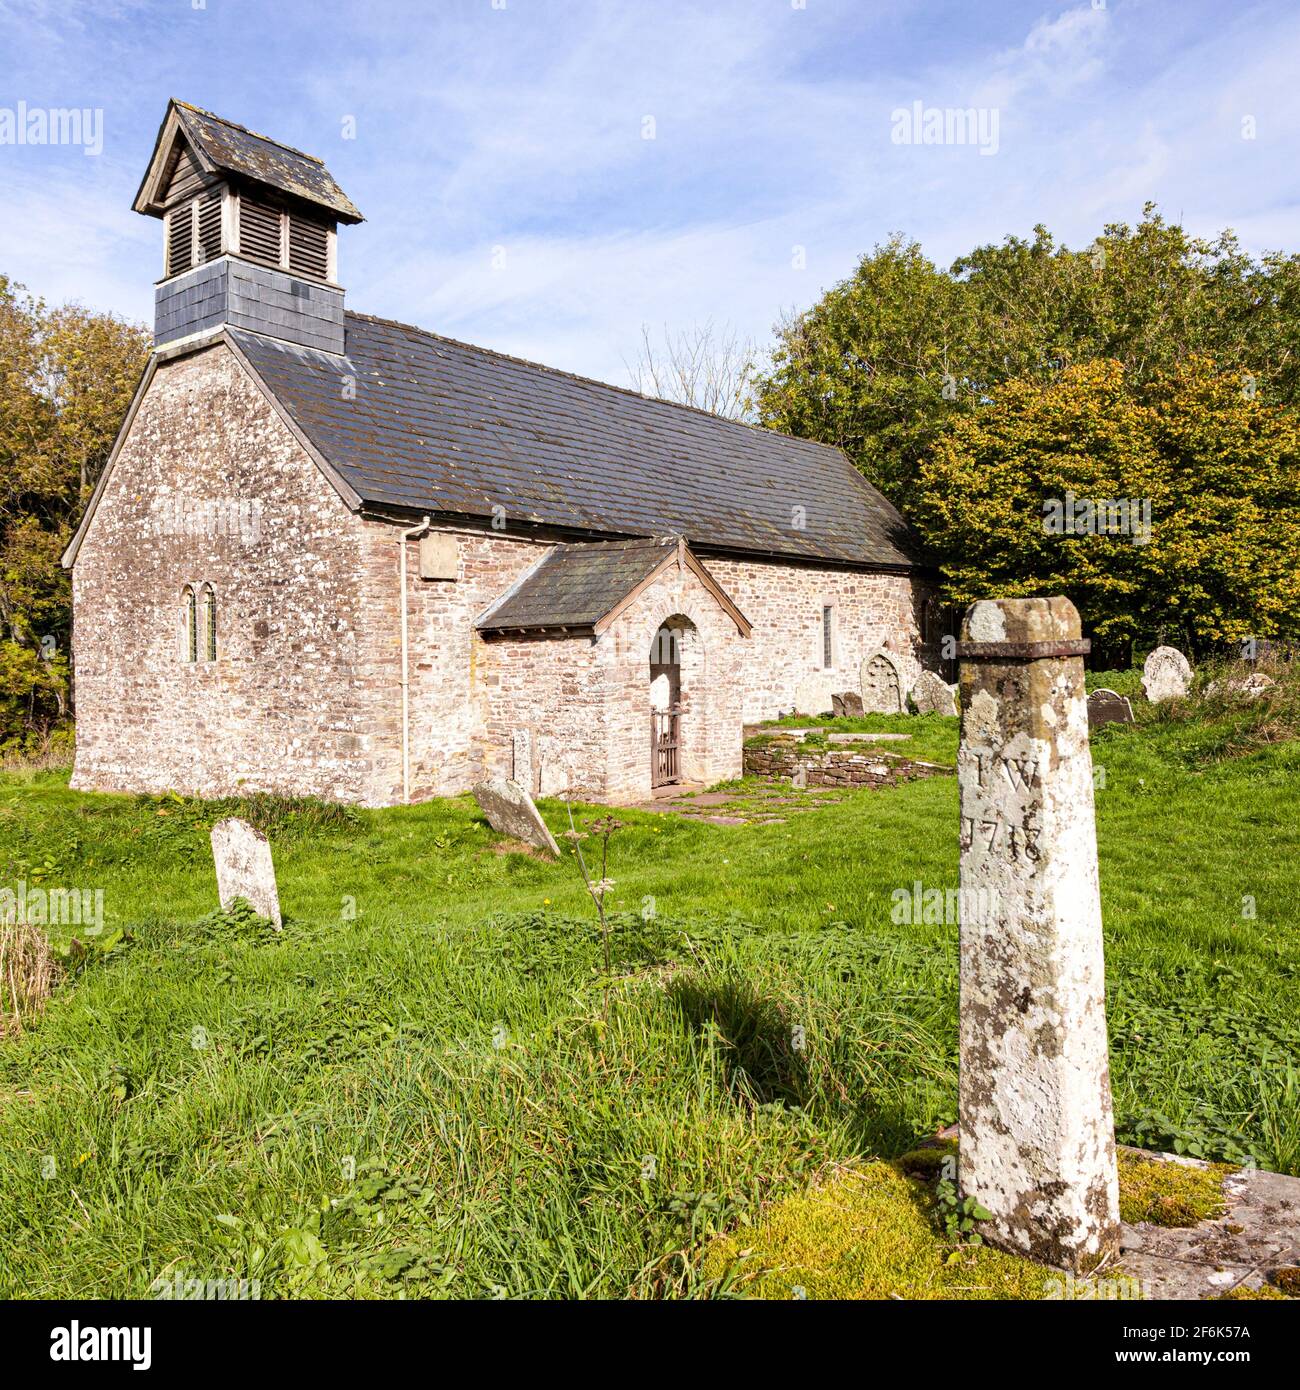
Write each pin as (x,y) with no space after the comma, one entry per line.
(665,747)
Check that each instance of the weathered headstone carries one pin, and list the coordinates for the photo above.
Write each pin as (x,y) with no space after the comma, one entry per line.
(810,696)
(242,855)
(933,695)
(1108,707)
(846,705)
(882,683)
(1166,675)
(1249,687)
(1037,1145)
(510,811)
(521,756)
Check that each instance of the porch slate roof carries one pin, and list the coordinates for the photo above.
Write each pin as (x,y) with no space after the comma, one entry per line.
(575,586)
(417,423)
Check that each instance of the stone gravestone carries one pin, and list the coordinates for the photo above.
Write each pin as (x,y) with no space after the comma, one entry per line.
(244,869)
(882,684)
(1107,707)
(810,696)
(510,811)
(521,752)
(847,705)
(1037,1139)
(932,695)
(1249,687)
(1166,675)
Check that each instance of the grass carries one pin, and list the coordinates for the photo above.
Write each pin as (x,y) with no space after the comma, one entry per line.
(412,1088)
(28,971)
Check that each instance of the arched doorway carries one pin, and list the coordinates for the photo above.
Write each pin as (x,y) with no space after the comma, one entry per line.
(671,653)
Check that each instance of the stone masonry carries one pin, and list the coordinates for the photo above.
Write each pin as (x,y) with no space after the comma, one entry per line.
(785,602)
(298,699)
(212,487)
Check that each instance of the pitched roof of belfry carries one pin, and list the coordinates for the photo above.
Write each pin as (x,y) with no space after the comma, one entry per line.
(234,149)
(583,587)
(428,424)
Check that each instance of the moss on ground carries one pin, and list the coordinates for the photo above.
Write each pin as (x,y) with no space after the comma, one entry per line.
(1169,1194)
(869,1231)
(865,1232)
(1243,1294)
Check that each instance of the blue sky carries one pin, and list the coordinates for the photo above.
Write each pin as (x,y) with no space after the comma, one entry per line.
(513,200)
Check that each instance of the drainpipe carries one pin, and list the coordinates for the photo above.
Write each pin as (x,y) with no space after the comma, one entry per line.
(406,697)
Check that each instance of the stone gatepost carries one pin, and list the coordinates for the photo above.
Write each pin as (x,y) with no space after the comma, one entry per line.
(1037,1139)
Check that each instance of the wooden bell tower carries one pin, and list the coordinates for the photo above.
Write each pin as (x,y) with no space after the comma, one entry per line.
(250,234)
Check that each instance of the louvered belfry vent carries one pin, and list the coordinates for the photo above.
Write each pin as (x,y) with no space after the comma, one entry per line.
(260,229)
(180,238)
(309,247)
(210,225)
(249,229)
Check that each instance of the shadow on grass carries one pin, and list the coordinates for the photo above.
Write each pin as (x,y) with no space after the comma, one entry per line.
(762,1052)
(766,1060)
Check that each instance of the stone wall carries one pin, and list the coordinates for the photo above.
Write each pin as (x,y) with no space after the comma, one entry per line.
(305,696)
(456,736)
(784,602)
(714,659)
(835,767)
(211,487)
(582,704)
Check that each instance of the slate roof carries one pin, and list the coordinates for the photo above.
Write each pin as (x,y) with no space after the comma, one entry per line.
(238,150)
(437,426)
(575,586)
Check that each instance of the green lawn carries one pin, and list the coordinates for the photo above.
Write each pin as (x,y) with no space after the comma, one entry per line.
(430,1095)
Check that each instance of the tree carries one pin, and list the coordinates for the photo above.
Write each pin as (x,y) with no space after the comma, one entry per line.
(66,378)
(1175,505)
(878,366)
(887,361)
(706,367)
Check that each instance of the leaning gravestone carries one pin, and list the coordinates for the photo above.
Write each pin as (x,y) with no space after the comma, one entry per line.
(1108,707)
(932,695)
(242,855)
(1037,1139)
(1249,687)
(1166,675)
(882,684)
(846,705)
(510,811)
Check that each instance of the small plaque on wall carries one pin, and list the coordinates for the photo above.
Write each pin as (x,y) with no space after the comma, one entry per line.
(438,557)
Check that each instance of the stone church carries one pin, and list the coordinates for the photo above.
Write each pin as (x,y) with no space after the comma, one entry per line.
(335,555)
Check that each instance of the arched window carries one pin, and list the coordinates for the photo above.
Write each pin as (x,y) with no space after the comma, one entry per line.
(189,625)
(209,623)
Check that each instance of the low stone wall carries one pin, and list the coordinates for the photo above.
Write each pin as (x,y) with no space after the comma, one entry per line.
(835,767)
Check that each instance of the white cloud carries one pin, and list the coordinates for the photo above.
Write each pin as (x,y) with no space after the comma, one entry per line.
(522,128)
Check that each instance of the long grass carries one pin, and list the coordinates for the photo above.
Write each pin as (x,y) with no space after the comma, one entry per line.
(414,1087)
